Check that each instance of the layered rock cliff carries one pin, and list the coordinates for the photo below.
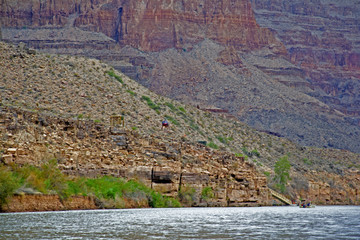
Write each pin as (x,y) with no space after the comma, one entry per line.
(148,25)
(322,38)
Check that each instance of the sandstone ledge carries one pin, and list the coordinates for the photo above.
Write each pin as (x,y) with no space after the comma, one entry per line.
(39,203)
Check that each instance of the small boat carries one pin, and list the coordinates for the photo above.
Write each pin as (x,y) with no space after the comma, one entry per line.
(305,204)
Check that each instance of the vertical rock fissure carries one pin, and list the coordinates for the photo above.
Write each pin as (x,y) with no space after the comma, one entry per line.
(118,26)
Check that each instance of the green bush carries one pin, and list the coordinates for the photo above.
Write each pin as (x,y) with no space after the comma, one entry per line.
(182,109)
(207,193)
(282,175)
(112,74)
(151,104)
(187,195)
(212,145)
(44,179)
(255,153)
(8,184)
(131,92)
(172,120)
(171,106)
(222,139)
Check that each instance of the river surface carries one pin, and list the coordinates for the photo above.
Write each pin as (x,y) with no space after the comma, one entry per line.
(330,222)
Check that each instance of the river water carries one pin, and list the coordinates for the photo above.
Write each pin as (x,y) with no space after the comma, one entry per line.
(322,222)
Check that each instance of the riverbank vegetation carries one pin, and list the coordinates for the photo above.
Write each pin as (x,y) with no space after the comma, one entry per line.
(109,192)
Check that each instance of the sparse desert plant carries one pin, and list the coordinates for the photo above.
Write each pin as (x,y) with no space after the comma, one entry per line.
(111,73)
(172,120)
(171,106)
(151,104)
(187,195)
(182,109)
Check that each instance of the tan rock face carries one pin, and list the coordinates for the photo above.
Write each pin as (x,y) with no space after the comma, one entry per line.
(35,203)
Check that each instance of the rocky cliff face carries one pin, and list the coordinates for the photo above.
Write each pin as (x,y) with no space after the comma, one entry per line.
(322,38)
(88,149)
(148,25)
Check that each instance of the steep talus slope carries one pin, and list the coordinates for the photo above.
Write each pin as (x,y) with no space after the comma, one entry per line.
(323,39)
(59,107)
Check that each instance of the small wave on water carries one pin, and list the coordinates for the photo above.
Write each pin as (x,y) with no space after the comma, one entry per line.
(323,222)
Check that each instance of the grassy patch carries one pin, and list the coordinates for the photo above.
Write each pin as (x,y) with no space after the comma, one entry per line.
(113,192)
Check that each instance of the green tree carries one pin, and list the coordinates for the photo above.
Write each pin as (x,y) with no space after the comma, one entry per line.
(282,175)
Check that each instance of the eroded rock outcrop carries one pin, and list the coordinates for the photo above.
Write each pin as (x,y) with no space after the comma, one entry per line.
(36,203)
(167,165)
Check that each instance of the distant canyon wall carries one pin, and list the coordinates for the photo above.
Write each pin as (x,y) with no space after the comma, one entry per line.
(148,25)
(323,38)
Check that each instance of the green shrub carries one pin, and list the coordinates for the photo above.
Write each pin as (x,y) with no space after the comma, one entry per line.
(151,104)
(109,190)
(8,184)
(307,161)
(194,126)
(255,153)
(222,139)
(182,109)
(171,106)
(172,120)
(112,74)
(187,195)
(131,92)
(207,193)
(212,145)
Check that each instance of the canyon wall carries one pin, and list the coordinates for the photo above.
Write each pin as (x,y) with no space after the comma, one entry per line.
(147,25)
(322,38)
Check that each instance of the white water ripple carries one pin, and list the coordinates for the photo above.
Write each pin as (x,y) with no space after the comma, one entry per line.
(330,222)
